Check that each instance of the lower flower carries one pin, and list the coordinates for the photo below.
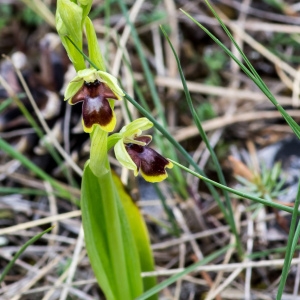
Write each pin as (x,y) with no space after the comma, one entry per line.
(132,152)
(149,163)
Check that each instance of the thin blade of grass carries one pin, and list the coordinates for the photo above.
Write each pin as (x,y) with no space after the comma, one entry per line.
(25,191)
(207,143)
(40,134)
(264,253)
(168,211)
(188,270)
(6,103)
(34,168)
(241,194)
(252,74)
(291,245)
(19,253)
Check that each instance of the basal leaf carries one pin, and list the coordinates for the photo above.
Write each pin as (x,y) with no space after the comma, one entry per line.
(140,234)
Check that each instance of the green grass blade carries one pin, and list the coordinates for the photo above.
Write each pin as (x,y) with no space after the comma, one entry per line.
(291,245)
(168,211)
(40,134)
(35,169)
(25,191)
(188,270)
(207,143)
(19,253)
(264,253)
(254,77)
(241,194)
(6,103)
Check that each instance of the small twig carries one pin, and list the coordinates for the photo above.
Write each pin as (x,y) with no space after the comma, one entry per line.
(73,266)
(39,222)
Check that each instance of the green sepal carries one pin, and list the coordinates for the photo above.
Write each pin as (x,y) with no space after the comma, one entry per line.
(112,83)
(93,45)
(123,157)
(136,127)
(98,152)
(73,87)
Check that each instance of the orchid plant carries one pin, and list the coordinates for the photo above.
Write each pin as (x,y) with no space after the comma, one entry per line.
(116,237)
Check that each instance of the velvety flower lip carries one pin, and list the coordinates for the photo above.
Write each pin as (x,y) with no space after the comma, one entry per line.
(97,90)
(151,164)
(96,108)
(132,151)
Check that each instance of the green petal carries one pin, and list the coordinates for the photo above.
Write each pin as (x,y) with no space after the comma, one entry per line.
(136,127)
(123,157)
(73,87)
(88,75)
(112,83)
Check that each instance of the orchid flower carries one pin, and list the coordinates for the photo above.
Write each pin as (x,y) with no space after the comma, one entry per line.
(95,89)
(132,151)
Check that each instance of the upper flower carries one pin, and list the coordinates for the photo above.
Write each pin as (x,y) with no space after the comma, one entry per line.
(95,89)
(132,151)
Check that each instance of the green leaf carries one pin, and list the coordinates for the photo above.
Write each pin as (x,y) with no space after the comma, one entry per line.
(140,234)
(109,241)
